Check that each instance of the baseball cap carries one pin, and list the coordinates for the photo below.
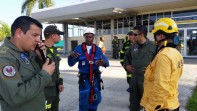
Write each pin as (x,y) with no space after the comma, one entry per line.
(52,29)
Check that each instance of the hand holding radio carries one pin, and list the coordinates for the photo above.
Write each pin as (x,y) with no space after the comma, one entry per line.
(41,52)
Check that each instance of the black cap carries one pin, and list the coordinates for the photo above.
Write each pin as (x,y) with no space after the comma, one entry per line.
(130,32)
(52,29)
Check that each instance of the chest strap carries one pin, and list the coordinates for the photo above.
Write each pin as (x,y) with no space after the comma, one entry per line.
(90,59)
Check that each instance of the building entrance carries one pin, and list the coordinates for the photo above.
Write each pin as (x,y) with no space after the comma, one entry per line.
(188,42)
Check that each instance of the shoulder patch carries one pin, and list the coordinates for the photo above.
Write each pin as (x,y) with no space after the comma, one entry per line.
(9,71)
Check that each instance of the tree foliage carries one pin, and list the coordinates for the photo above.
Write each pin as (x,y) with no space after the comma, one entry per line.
(28,5)
(4,31)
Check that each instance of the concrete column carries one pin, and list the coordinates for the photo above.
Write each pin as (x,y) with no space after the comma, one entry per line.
(112,31)
(65,38)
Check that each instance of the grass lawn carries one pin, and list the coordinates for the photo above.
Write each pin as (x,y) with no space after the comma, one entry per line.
(192,101)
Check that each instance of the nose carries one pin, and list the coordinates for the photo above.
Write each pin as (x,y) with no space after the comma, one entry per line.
(38,38)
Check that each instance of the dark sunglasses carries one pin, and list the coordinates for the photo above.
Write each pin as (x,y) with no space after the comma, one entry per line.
(136,34)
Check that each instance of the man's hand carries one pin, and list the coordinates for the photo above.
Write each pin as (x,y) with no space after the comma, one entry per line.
(74,54)
(49,67)
(61,88)
(100,62)
(40,47)
(130,68)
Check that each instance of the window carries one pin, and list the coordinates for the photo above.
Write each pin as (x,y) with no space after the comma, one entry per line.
(152,20)
(159,15)
(145,19)
(98,27)
(139,20)
(167,14)
(185,13)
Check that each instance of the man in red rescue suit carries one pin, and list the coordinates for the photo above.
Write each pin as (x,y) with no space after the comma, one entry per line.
(89,58)
(162,75)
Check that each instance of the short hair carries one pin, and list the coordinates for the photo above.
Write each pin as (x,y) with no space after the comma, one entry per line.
(24,23)
(101,38)
(142,29)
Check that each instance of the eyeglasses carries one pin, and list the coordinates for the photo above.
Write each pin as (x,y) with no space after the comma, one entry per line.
(136,34)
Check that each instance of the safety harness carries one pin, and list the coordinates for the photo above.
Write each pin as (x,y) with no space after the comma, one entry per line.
(90,59)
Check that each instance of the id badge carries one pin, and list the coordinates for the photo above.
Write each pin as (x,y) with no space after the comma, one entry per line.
(83,63)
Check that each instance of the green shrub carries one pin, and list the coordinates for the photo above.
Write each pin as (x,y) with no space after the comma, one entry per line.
(192,101)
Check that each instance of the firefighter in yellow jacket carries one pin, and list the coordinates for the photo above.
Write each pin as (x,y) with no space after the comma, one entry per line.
(162,75)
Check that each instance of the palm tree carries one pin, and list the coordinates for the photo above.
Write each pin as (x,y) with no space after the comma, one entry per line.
(4,30)
(28,5)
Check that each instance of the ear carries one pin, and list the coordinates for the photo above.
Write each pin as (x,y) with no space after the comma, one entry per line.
(53,36)
(18,33)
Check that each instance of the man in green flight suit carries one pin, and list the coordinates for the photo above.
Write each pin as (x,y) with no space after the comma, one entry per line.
(137,58)
(22,80)
(52,36)
(126,44)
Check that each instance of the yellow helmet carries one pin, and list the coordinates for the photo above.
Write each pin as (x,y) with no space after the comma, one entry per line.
(167,25)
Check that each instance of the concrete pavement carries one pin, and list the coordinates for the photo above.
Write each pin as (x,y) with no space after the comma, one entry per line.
(115,97)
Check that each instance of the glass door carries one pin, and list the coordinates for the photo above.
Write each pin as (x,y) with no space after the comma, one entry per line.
(192,42)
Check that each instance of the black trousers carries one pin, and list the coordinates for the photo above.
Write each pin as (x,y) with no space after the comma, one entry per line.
(54,101)
(115,53)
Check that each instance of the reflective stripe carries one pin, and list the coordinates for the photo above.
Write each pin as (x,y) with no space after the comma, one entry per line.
(126,47)
(51,49)
(121,60)
(121,51)
(129,75)
(48,106)
(60,75)
(49,55)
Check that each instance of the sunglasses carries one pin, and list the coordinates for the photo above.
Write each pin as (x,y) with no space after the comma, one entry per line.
(136,34)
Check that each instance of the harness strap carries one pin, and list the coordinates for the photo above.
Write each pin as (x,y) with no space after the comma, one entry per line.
(91,61)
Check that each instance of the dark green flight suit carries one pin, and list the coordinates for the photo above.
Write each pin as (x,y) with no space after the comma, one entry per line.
(52,91)
(22,81)
(139,56)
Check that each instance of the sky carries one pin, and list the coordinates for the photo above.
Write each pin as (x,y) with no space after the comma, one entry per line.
(11,9)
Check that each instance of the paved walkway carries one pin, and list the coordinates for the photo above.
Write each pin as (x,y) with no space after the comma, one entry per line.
(115,97)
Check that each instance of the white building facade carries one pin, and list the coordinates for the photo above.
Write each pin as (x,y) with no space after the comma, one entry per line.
(116,17)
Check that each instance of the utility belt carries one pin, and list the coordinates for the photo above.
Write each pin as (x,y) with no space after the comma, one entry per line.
(86,76)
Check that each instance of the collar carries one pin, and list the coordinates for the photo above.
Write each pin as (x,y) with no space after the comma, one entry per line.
(10,44)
